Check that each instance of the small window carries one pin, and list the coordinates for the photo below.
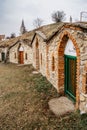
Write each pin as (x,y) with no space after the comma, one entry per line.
(37,43)
(15,55)
(26,56)
(86,84)
(41,58)
(53,63)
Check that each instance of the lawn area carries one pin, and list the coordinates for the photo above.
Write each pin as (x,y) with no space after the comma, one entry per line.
(24,100)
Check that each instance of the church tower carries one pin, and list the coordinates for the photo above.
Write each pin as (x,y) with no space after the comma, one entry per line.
(70,19)
(22,28)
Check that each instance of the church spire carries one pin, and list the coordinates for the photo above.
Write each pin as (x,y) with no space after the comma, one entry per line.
(22,23)
(22,28)
(70,19)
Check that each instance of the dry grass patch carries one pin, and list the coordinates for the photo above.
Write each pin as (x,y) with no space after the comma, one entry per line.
(24,100)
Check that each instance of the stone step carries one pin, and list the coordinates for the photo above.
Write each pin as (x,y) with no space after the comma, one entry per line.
(60,106)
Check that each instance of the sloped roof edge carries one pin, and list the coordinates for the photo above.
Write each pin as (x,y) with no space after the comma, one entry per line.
(19,40)
(78,25)
(40,34)
(56,32)
(14,44)
(82,26)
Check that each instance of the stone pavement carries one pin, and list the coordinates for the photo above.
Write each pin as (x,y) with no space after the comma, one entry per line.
(60,106)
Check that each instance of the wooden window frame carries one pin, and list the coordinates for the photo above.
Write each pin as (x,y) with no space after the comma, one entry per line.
(41,58)
(26,56)
(15,56)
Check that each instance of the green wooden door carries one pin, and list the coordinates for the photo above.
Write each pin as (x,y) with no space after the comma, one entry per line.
(3,56)
(70,76)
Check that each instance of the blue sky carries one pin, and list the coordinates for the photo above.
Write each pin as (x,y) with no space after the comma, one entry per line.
(13,11)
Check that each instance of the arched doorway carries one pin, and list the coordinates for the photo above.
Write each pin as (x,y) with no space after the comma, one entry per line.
(70,61)
(37,55)
(21,55)
(3,56)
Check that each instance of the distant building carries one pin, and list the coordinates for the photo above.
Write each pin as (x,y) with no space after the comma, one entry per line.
(20,52)
(22,28)
(2,37)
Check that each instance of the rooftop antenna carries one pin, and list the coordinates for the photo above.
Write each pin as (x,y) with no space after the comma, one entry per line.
(83,14)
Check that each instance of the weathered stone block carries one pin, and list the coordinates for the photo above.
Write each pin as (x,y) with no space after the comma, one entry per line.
(82,98)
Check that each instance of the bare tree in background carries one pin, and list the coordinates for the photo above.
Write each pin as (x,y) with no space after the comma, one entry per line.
(58,16)
(7,37)
(13,35)
(37,22)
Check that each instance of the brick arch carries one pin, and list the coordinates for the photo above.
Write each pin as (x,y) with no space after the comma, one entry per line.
(61,47)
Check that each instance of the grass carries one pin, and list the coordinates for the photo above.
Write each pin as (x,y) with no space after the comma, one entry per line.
(24,102)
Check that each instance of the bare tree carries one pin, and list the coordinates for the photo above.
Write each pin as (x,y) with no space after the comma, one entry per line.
(58,16)
(7,37)
(37,22)
(13,35)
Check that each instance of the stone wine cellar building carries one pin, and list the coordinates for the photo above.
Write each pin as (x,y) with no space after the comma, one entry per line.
(59,52)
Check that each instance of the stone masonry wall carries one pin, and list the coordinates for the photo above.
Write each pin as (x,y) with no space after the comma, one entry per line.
(56,47)
(52,75)
(83,76)
(13,54)
(48,58)
(41,58)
